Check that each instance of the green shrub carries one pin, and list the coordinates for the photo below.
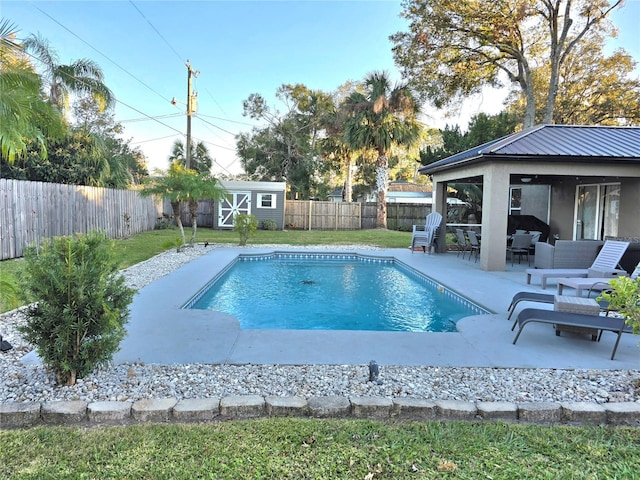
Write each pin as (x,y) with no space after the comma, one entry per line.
(625,299)
(269,224)
(245,225)
(81,306)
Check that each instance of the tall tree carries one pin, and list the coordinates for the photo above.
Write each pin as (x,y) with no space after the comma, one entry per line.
(453,48)
(596,89)
(384,116)
(83,76)
(76,158)
(335,149)
(482,128)
(199,157)
(126,164)
(287,148)
(23,113)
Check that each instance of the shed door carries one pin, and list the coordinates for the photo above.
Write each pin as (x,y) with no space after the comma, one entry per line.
(233,204)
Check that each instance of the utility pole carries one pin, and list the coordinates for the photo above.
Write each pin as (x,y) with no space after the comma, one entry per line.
(191,108)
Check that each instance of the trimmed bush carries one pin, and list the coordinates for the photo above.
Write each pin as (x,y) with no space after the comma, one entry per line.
(245,225)
(81,306)
(269,224)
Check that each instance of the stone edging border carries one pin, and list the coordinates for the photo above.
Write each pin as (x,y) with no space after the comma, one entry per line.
(27,414)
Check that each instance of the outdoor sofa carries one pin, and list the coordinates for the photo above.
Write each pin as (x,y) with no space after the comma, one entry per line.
(566,254)
(604,265)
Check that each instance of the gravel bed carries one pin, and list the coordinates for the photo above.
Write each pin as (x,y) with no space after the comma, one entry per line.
(136,381)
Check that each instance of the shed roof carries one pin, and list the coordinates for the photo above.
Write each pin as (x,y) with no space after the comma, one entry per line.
(553,143)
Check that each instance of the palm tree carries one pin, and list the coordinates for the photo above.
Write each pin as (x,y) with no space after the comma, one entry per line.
(380,118)
(183,185)
(23,113)
(199,157)
(338,150)
(83,76)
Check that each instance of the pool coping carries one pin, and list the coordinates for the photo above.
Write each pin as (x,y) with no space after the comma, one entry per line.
(160,331)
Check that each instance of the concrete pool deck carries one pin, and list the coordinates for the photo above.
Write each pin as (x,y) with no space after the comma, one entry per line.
(159,331)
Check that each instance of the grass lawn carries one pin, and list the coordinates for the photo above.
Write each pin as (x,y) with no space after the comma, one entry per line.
(322,449)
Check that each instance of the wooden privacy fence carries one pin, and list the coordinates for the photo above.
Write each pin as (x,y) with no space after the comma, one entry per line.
(32,211)
(311,215)
(403,216)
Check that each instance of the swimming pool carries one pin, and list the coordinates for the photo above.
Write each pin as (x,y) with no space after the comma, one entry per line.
(332,292)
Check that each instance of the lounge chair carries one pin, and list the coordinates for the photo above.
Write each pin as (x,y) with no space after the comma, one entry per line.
(542,298)
(528,297)
(577,320)
(591,283)
(604,264)
(426,236)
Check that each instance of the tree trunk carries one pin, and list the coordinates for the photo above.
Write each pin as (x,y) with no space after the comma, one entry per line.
(382,180)
(348,182)
(550,104)
(175,207)
(193,211)
(526,83)
(530,110)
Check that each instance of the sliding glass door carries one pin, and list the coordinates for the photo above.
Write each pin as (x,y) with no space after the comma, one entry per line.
(597,208)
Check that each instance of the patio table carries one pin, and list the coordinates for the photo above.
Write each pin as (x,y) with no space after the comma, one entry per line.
(571,304)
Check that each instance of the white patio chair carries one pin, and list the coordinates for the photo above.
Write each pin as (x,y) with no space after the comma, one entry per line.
(426,235)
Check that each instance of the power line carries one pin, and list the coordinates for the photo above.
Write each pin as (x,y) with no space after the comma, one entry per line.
(149,117)
(153,139)
(115,99)
(227,120)
(105,56)
(145,116)
(216,102)
(156,30)
(219,146)
(216,126)
(144,119)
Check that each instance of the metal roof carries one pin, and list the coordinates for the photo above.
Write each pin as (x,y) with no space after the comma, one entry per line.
(553,143)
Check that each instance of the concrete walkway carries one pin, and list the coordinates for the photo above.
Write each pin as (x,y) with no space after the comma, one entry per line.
(160,331)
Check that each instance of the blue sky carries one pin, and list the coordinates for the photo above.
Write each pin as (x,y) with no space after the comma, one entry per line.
(239,48)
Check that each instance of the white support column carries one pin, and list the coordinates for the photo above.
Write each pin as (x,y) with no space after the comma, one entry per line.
(495,210)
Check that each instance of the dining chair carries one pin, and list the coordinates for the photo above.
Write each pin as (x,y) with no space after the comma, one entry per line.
(463,245)
(520,246)
(474,244)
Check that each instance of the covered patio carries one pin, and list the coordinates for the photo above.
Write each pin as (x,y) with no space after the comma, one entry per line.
(592,174)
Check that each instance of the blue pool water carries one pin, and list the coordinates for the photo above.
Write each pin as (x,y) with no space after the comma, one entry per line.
(332,292)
